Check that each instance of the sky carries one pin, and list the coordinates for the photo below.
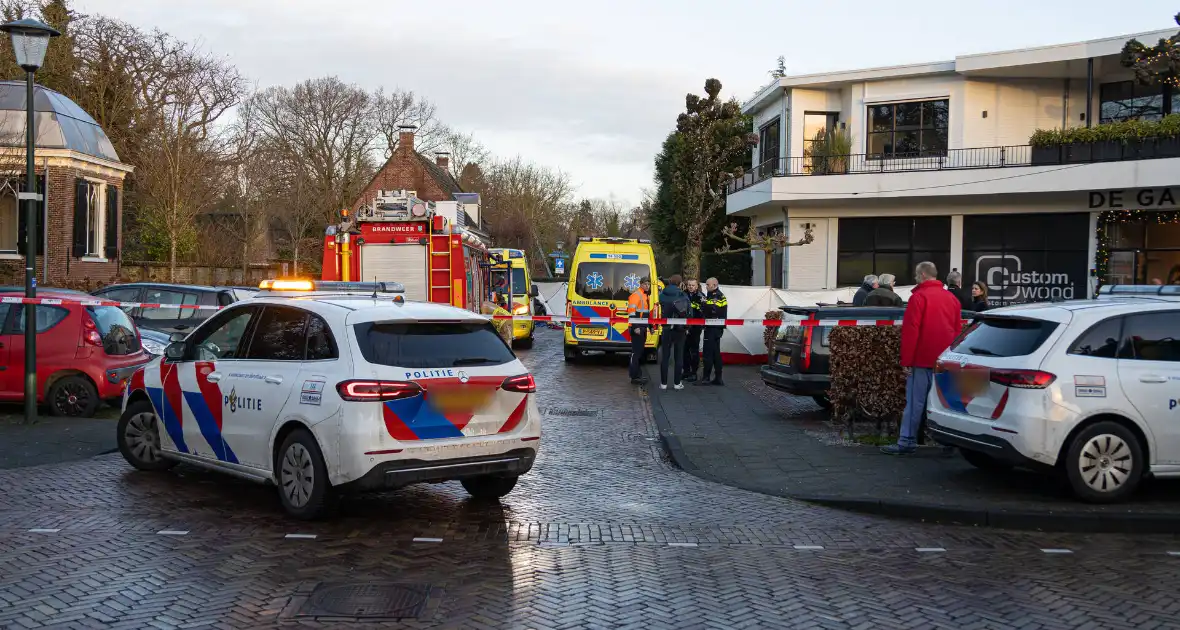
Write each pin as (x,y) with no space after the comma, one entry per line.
(592,88)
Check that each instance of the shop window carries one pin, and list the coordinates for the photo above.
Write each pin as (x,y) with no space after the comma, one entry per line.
(1027,257)
(910,129)
(892,245)
(1142,252)
(1129,100)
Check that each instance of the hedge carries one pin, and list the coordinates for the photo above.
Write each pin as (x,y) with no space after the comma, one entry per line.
(1125,131)
(868,383)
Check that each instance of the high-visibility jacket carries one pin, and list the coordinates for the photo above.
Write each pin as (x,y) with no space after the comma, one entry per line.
(638,304)
(716,306)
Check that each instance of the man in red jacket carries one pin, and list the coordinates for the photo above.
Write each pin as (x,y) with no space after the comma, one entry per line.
(931,322)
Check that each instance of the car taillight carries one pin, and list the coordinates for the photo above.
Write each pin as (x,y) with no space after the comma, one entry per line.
(369,391)
(1022,379)
(523,384)
(805,360)
(90,333)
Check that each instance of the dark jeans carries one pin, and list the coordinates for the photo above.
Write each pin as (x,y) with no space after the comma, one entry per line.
(712,355)
(638,341)
(671,343)
(692,351)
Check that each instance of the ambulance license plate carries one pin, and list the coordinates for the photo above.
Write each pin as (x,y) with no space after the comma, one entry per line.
(592,332)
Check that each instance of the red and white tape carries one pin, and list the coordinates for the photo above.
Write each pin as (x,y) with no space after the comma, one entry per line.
(84,302)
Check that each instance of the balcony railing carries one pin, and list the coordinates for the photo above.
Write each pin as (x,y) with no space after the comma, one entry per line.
(865,163)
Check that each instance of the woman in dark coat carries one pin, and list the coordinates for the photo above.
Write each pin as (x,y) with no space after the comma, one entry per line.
(978,297)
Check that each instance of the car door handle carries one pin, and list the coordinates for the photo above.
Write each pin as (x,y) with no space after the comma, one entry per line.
(213,377)
(1153,378)
(276,380)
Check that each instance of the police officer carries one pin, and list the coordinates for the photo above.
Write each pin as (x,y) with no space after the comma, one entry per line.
(639,306)
(715,307)
(692,343)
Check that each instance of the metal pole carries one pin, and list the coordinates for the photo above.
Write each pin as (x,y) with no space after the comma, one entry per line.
(31,241)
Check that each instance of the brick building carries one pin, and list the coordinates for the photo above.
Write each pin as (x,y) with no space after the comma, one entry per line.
(81,180)
(407,169)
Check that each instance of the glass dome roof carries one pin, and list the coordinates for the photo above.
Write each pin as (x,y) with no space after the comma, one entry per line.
(61,124)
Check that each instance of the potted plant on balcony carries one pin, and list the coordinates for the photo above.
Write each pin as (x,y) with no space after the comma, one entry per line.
(831,152)
(1128,139)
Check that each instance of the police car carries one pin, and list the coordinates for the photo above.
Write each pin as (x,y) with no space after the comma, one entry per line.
(1089,389)
(325,388)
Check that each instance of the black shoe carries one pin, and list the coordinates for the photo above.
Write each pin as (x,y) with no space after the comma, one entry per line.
(689,378)
(718,383)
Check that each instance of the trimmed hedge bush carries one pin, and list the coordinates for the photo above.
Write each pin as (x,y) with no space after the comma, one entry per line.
(868,383)
(1125,131)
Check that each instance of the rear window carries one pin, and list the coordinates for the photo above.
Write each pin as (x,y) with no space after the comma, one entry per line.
(432,344)
(1003,337)
(118,333)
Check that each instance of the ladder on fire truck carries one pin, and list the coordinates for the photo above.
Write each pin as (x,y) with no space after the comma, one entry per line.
(442,249)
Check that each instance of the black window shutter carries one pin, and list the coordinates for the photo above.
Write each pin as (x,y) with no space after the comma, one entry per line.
(111,246)
(80,190)
(22,234)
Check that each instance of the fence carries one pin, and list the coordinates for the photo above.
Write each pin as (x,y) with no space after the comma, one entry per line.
(198,274)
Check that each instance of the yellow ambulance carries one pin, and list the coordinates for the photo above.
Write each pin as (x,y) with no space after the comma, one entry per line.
(603,274)
(513,269)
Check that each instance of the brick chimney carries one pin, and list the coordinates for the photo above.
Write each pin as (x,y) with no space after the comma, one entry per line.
(443,159)
(405,136)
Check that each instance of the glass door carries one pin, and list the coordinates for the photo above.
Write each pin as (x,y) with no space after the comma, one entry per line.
(815,123)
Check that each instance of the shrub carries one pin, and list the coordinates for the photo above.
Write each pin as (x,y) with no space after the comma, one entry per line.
(1122,131)
(769,332)
(868,383)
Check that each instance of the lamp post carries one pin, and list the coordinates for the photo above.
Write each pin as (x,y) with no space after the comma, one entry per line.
(30,40)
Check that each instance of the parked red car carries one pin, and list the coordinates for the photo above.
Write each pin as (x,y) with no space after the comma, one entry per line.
(85,354)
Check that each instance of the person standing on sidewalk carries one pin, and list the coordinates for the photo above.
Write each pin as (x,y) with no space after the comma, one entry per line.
(931,322)
(883,295)
(715,307)
(639,306)
(870,283)
(692,339)
(954,284)
(673,304)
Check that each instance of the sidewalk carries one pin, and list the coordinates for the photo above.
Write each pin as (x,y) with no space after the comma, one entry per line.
(730,436)
(52,440)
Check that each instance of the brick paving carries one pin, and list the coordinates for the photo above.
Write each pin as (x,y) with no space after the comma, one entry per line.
(750,436)
(604,533)
(53,440)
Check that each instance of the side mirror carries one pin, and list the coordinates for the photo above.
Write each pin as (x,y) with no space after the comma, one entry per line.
(175,351)
(177,336)
(534,291)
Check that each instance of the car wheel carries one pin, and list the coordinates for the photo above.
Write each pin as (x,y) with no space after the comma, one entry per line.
(572,354)
(138,437)
(823,401)
(302,477)
(524,344)
(488,487)
(1104,462)
(72,396)
(984,461)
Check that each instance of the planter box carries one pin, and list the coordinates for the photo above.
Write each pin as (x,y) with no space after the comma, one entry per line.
(1163,147)
(1046,155)
(1108,151)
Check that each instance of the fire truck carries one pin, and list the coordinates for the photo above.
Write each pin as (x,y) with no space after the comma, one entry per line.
(434,249)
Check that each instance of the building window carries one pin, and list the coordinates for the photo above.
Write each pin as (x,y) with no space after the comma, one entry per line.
(1028,257)
(815,123)
(1143,252)
(96,220)
(1128,100)
(9,220)
(768,144)
(892,245)
(911,129)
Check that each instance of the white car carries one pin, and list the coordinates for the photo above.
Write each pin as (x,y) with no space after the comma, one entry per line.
(324,388)
(1088,388)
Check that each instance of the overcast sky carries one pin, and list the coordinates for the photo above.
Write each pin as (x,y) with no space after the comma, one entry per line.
(592,88)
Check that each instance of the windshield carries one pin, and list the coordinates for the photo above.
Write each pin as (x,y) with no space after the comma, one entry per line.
(118,332)
(500,281)
(1004,337)
(608,280)
(432,345)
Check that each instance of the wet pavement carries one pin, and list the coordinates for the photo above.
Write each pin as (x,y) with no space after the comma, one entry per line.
(604,533)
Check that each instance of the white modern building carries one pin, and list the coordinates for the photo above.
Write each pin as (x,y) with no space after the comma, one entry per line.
(941,169)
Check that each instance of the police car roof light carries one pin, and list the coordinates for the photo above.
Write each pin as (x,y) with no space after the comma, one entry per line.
(281,284)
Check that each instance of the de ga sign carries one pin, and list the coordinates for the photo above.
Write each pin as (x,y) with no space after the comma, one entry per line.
(1134,198)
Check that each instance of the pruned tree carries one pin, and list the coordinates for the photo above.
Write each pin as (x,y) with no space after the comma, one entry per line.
(766,241)
(1155,65)
(465,150)
(295,217)
(404,107)
(711,142)
(253,185)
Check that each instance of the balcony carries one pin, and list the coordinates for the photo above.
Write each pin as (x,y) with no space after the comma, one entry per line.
(953,160)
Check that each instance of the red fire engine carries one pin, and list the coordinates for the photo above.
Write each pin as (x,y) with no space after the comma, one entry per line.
(434,249)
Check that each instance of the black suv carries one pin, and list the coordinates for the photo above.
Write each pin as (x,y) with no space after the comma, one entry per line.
(170,320)
(798,362)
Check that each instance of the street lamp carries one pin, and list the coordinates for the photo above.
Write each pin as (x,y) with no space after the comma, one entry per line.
(30,40)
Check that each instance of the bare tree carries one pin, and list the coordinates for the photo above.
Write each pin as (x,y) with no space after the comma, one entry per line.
(293,214)
(323,129)
(181,162)
(254,184)
(524,202)
(401,107)
(465,150)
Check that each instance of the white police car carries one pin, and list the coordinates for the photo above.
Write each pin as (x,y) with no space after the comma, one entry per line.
(323,388)
(1088,388)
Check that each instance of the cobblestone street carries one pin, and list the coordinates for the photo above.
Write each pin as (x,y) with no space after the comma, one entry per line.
(603,533)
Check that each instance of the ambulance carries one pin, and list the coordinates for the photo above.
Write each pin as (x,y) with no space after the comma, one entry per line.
(510,271)
(603,274)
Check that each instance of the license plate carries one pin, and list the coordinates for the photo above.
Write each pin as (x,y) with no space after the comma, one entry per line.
(973,382)
(592,332)
(782,359)
(458,399)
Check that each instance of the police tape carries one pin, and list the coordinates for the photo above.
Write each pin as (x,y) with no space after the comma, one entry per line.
(773,323)
(86,302)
